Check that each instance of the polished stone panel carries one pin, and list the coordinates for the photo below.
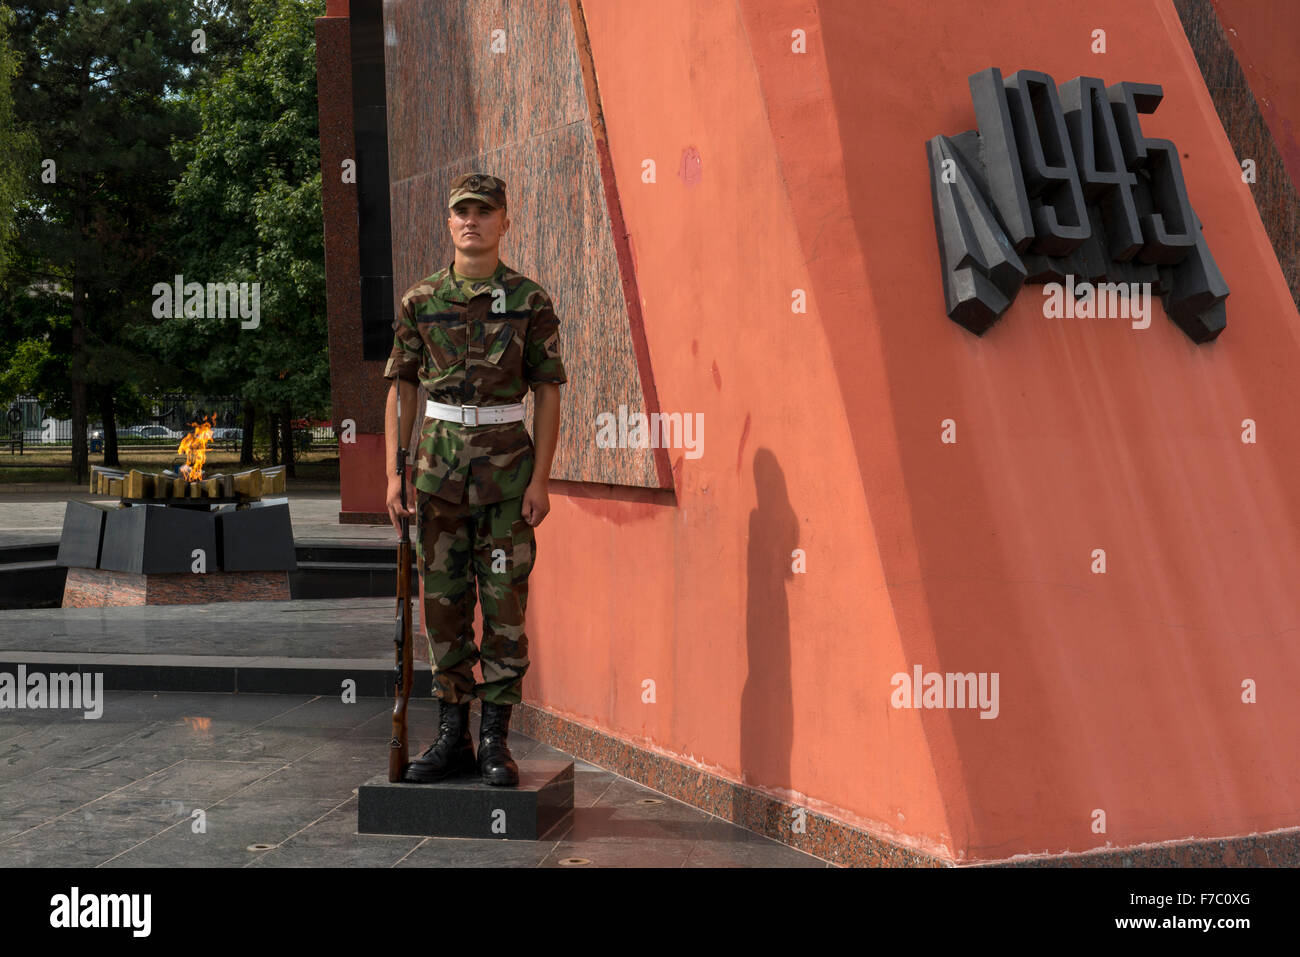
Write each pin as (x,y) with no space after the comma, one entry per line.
(149,539)
(83,534)
(521,114)
(256,539)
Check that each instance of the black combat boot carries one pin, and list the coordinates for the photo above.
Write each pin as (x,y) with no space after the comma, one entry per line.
(495,763)
(453,751)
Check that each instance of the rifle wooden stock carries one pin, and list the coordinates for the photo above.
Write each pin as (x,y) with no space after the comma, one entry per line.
(398,748)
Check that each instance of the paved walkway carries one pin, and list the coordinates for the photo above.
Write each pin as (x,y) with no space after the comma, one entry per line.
(280,772)
(347,628)
(276,770)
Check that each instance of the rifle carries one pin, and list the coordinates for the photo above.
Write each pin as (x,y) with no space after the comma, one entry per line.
(398,748)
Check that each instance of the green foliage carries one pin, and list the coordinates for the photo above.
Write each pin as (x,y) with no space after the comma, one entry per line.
(248,209)
(136,155)
(34,368)
(17,146)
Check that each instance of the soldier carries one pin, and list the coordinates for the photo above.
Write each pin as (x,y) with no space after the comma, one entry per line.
(476,335)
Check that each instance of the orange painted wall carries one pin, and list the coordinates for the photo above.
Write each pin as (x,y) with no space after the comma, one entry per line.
(1118,692)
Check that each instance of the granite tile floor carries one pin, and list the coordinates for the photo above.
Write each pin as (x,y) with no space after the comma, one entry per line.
(275,777)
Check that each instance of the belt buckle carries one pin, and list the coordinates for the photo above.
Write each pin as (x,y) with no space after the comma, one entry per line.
(468,413)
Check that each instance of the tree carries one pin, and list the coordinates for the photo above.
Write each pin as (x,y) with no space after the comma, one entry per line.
(19,146)
(248,210)
(173,139)
(99,85)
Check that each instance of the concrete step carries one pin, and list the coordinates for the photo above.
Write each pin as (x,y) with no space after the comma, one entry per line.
(29,577)
(33,584)
(29,552)
(347,580)
(251,674)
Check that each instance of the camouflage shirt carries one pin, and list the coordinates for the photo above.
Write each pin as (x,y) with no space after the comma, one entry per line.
(477,342)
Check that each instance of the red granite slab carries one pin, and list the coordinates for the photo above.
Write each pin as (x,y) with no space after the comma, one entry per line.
(525,114)
(98,587)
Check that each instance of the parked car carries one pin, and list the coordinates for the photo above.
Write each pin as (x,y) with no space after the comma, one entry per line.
(151,432)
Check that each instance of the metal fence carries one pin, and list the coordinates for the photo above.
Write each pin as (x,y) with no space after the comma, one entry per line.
(167,419)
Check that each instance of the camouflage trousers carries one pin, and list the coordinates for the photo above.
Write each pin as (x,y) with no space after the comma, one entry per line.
(463,550)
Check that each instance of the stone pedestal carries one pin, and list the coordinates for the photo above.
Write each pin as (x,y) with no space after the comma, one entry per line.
(466,807)
(175,554)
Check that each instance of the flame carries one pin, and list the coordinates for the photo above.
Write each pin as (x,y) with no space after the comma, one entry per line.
(195,447)
(197,723)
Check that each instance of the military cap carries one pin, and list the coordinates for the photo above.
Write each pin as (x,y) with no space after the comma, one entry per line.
(489,189)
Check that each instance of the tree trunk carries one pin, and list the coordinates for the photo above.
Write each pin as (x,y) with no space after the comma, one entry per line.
(287,417)
(250,422)
(77,374)
(108,412)
(80,464)
(273,430)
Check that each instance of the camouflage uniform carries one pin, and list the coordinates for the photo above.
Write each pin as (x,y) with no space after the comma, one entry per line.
(475,342)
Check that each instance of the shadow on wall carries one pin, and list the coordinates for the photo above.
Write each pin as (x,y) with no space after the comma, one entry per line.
(766,704)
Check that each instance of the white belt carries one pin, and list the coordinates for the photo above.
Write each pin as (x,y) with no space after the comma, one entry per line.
(476,414)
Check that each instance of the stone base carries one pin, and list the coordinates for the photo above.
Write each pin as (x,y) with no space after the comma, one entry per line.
(466,807)
(98,587)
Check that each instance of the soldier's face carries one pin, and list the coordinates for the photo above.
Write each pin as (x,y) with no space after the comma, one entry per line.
(475,226)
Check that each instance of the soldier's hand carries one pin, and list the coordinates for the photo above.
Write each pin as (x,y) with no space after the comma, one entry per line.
(536,504)
(396,507)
